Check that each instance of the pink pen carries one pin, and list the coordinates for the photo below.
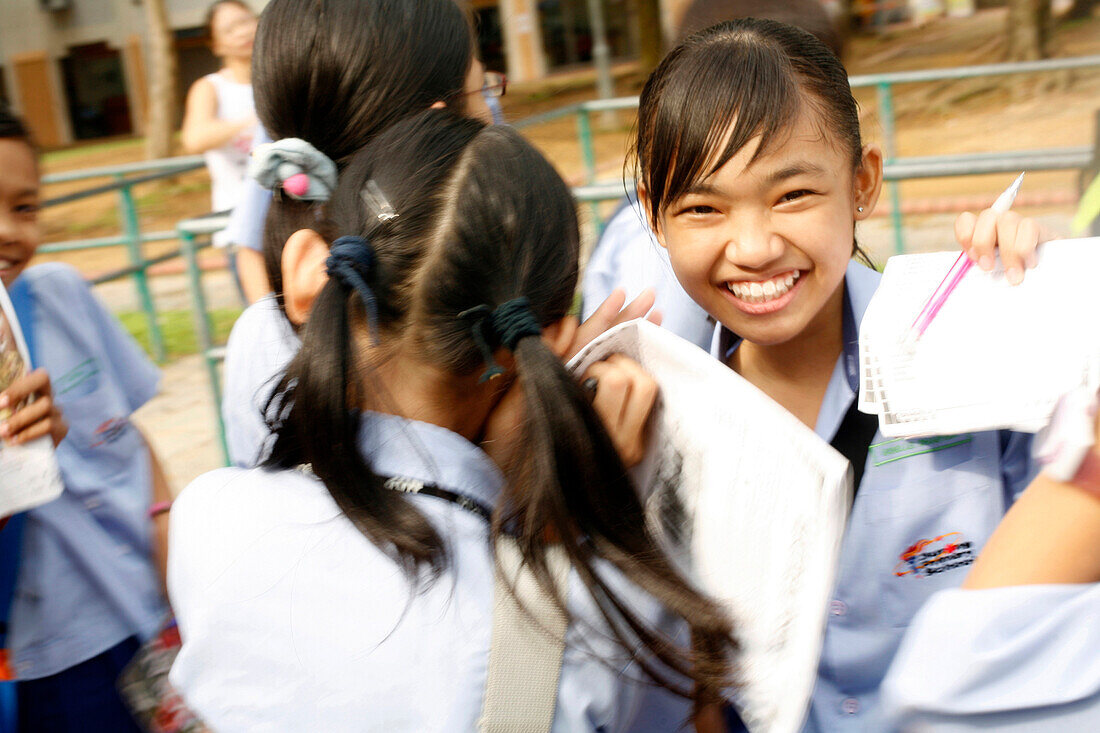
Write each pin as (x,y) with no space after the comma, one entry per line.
(957,272)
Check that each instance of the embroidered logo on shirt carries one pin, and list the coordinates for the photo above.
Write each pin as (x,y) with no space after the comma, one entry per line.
(896,450)
(110,431)
(79,381)
(925,558)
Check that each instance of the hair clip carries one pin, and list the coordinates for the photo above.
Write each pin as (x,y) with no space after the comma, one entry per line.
(377,202)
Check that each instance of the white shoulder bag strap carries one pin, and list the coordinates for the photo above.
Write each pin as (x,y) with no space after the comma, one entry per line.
(526,650)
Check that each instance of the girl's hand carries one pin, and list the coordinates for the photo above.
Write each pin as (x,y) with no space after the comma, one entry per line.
(34,418)
(624,398)
(1013,236)
(611,313)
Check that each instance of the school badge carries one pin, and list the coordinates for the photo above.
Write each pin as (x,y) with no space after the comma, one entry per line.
(925,558)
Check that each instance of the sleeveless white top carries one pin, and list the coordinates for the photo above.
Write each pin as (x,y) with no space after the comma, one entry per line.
(229,163)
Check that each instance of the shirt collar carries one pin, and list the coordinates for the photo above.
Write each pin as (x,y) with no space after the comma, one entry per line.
(396,446)
(860,283)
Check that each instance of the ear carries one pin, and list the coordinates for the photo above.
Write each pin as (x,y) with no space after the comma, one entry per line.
(643,201)
(560,335)
(304,273)
(867,183)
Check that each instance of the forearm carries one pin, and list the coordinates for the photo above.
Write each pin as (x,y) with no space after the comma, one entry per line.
(1050,535)
(161,494)
(253,274)
(198,137)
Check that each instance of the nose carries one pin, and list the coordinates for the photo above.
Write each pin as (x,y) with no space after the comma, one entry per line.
(753,244)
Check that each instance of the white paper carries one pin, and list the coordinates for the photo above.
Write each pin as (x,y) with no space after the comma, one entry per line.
(995,356)
(28,473)
(754,504)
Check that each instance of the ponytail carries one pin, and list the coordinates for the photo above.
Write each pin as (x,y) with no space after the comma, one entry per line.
(576,488)
(474,253)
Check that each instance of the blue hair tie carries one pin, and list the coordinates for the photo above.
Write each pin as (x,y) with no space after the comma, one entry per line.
(507,325)
(350,261)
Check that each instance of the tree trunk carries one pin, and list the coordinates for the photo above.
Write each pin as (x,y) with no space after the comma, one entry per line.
(1081,9)
(1029,29)
(650,39)
(162,82)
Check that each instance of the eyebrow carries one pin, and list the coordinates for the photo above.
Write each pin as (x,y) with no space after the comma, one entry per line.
(795,169)
(701,188)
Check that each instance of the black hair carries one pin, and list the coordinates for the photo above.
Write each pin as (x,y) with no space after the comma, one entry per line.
(483,219)
(12,126)
(337,72)
(212,10)
(752,75)
(809,15)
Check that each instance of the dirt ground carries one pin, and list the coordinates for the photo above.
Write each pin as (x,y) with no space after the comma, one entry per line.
(977,115)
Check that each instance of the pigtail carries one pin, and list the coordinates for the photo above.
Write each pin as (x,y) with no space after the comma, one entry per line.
(575,489)
(318,403)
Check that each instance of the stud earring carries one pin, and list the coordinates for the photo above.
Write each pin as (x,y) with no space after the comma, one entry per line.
(859,209)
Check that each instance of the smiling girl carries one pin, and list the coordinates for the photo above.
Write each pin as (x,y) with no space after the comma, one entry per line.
(753,175)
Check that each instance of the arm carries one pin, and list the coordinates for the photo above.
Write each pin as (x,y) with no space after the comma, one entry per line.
(161,494)
(253,274)
(202,129)
(1048,536)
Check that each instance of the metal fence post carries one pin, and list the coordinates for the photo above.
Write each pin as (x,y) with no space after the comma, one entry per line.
(204,332)
(886,111)
(588,151)
(132,231)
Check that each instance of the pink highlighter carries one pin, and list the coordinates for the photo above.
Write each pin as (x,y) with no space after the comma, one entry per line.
(957,272)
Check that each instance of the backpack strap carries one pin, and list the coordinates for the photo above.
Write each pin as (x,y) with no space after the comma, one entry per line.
(527,646)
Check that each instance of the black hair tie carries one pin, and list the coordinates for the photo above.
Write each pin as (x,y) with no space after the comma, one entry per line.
(513,321)
(350,261)
(507,325)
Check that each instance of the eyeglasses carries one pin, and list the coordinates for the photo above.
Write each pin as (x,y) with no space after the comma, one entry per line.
(495,84)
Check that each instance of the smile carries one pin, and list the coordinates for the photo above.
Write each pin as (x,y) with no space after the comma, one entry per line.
(764,296)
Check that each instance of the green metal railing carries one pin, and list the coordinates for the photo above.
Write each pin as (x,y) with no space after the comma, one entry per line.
(123,181)
(194,234)
(1050,159)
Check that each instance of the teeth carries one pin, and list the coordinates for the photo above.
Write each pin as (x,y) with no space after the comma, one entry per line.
(757,292)
(5,264)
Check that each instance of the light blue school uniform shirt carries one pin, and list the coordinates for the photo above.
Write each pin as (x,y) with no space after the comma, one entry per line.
(628,256)
(292,620)
(1012,659)
(87,579)
(260,346)
(922,513)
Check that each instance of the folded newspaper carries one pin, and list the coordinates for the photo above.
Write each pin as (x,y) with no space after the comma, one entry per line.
(995,356)
(753,504)
(28,473)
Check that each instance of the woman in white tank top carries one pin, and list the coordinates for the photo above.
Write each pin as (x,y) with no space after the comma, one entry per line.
(220,117)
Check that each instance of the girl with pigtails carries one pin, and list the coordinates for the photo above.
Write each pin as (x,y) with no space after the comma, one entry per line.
(427,430)
(336,73)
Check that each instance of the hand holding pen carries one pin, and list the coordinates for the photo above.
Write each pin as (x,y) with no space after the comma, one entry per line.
(996,230)
(1013,236)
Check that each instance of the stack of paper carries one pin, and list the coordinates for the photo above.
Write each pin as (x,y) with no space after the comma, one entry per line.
(28,473)
(995,356)
(754,505)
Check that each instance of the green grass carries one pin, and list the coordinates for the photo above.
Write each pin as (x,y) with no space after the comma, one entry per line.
(178,330)
(82,149)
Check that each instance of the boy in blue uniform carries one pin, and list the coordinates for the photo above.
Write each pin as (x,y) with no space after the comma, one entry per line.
(86,589)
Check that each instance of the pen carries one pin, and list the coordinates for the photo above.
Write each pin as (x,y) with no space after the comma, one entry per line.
(958,270)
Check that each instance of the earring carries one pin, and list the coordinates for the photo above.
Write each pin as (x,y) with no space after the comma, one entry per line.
(859,209)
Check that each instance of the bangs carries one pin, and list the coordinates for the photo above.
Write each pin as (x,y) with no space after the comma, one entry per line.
(710,108)
(726,85)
